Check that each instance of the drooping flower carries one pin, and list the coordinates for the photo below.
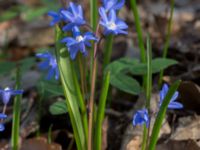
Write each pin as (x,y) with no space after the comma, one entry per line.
(50,64)
(73,16)
(78,42)
(172,104)
(113,4)
(141,117)
(112,24)
(2,116)
(7,93)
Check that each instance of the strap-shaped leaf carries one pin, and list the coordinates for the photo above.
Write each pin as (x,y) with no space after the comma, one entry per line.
(67,79)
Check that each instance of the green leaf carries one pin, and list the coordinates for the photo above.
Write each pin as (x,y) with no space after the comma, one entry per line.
(27,63)
(161,115)
(158,64)
(50,89)
(119,79)
(6,67)
(58,108)
(67,76)
(121,65)
(120,68)
(125,83)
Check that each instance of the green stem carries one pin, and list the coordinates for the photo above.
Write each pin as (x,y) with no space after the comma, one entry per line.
(166,46)
(148,91)
(138,29)
(16,115)
(93,23)
(149,73)
(144,138)
(140,35)
(93,13)
(101,112)
(108,50)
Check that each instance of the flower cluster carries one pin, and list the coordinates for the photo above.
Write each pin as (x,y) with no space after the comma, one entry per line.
(72,20)
(6,96)
(142,116)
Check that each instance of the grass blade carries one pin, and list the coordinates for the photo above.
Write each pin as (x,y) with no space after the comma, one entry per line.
(161,115)
(16,114)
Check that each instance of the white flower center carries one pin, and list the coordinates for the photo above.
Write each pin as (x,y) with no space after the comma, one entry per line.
(7,89)
(79,38)
(112,26)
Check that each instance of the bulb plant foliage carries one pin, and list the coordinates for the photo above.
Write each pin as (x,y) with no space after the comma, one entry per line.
(76,46)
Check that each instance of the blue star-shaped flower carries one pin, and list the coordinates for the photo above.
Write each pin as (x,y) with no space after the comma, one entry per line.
(172,104)
(113,4)
(49,63)
(112,24)
(141,117)
(78,42)
(74,16)
(7,93)
(56,17)
(2,116)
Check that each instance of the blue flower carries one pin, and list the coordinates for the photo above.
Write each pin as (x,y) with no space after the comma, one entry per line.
(112,24)
(78,42)
(113,4)
(2,116)
(172,104)
(141,117)
(50,64)
(56,17)
(7,93)
(74,16)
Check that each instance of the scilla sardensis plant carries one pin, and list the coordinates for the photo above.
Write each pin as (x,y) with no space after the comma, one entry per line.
(74,63)
(76,46)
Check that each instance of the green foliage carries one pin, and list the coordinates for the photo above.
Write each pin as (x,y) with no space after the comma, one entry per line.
(16,114)
(122,70)
(7,67)
(67,76)
(161,115)
(125,83)
(101,112)
(50,89)
(58,108)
